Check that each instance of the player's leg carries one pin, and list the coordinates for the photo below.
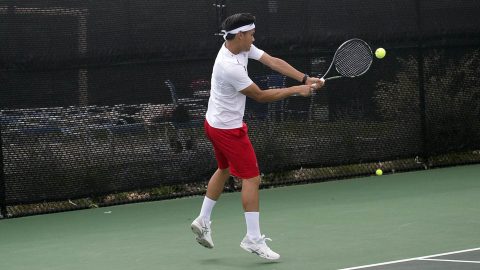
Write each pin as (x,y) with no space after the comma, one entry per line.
(217,183)
(254,241)
(250,199)
(250,202)
(247,169)
(201,225)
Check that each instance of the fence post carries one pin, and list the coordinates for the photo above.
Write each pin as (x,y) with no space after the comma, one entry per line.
(425,155)
(3,206)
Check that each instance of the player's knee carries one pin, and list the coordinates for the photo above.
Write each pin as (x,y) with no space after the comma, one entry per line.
(253,181)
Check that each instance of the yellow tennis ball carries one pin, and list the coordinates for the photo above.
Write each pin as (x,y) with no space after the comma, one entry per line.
(379,172)
(380,53)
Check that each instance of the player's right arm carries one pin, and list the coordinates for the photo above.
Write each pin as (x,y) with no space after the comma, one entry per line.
(271,95)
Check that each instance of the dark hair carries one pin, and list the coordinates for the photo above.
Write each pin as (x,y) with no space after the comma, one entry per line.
(235,21)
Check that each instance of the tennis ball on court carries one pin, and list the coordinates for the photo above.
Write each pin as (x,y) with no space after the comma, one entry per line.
(380,53)
(379,172)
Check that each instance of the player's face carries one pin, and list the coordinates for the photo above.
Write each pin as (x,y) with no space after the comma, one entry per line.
(248,39)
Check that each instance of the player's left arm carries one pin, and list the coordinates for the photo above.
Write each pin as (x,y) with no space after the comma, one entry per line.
(281,66)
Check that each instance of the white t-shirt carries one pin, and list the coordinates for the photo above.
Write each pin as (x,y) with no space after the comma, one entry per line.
(226,105)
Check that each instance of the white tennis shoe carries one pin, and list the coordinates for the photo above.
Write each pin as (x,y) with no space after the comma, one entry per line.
(259,247)
(203,234)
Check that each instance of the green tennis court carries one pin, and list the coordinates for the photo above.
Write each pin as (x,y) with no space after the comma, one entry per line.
(330,225)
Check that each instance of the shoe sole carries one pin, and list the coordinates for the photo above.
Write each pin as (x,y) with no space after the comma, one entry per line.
(247,249)
(198,233)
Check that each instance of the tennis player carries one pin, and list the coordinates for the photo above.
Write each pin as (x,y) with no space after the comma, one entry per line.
(226,130)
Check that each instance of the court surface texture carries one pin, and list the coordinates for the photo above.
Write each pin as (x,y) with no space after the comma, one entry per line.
(427,219)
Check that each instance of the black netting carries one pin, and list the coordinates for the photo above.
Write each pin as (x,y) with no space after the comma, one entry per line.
(108,97)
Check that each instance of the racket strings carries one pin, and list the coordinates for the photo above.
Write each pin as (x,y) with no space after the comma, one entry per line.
(353,58)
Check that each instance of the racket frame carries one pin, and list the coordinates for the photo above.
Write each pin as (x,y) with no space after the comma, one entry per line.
(335,56)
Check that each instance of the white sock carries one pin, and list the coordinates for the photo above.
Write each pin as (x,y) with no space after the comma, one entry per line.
(207,208)
(253,225)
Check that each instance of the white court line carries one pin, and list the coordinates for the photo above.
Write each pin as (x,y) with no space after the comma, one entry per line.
(411,259)
(442,260)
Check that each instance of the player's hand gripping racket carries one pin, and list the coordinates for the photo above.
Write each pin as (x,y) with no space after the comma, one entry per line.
(352,59)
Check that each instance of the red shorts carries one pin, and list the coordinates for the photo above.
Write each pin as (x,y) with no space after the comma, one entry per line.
(233,149)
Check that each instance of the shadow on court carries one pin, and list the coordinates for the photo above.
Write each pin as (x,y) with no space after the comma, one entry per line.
(238,261)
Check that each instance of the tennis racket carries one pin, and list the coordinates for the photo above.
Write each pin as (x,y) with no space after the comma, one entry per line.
(352,59)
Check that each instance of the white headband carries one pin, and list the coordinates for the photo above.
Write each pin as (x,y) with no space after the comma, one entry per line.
(244,28)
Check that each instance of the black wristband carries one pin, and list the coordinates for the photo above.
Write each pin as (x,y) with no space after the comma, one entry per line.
(304,80)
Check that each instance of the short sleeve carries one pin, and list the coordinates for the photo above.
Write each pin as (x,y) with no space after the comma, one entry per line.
(255,53)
